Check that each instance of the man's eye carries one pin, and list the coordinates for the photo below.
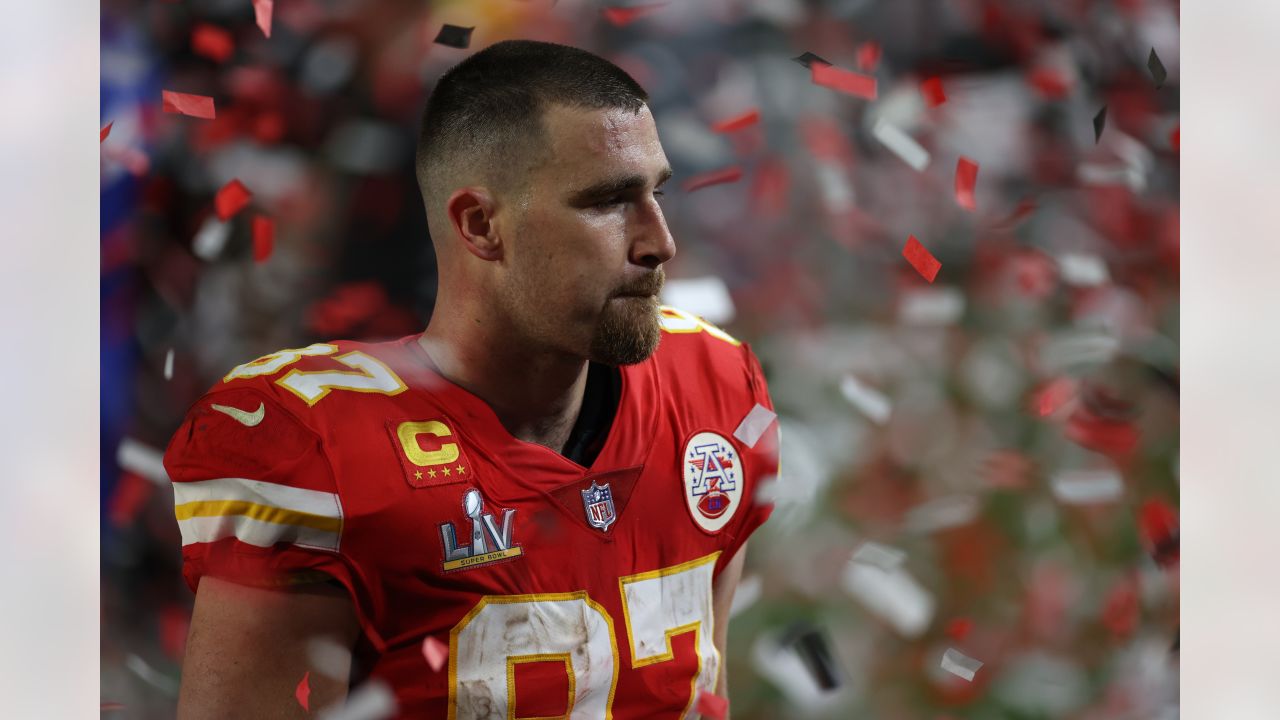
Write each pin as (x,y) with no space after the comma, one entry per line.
(617,200)
(658,193)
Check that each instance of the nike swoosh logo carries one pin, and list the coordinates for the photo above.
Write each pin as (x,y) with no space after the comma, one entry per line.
(248,419)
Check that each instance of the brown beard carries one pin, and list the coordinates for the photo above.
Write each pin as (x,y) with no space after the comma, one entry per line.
(628,331)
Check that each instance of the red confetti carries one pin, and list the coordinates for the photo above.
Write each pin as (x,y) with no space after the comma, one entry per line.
(212,42)
(231,199)
(112,706)
(133,159)
(199,106)
(264,237)
(1115,438)
(959,628)
(746,119)
(1049,82)
(303,693)
(932,91)
(262,12)
(102,135)
(625,16)
(715,177)
(711,705)
(921,259)
(1050,397)
(845,81)
(966,180)
(1175,141)
(436,653)
(869,56)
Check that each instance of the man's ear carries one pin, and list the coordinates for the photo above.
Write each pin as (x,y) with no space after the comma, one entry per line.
(470,211)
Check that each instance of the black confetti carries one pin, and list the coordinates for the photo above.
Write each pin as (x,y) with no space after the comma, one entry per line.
(1099,122)
(808,59)
(1156,67)
(454,36)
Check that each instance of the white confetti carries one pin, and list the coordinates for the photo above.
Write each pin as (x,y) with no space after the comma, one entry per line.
(867,399)
(943,513)
(1087,487)
(210,239)
(371,701)
(959,664)
(1075,348)
(168,365)
(882,556)
(329,658)
(1083,270)
(931,306)
(901,144)
(892,595)
(754,425)
(140,458)
(704,296)
(768,490)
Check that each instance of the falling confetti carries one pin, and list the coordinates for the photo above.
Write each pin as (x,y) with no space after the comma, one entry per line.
(746,119)
(436,653)
(809,59)
(231,199)
(966,181)
(901,144)
(1156,68)
(868,56)
(264,233)
(621,16)
(197,106)
(1083,269)
(754,425)
(168,365)
(959,664)
(102,135)
(921,259)
(303,691)
(715,177)
(814,650)
(931,90)
(1175,139)
(212,42)
(1099,122)
(894,596)
(1087,487)
(711,705)
(845,81)
(210,239)
(454,36)
(870,401)
(373,700)
(1050,83)
(262,13)
(881,556)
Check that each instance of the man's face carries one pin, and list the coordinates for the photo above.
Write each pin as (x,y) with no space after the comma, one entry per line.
(584,267)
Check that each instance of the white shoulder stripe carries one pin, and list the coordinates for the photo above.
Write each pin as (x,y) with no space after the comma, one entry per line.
(312,502)
(212,528)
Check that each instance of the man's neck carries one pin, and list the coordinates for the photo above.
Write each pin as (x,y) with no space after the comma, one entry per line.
(536,396)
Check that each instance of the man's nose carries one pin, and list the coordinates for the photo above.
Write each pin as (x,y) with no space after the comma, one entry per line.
(652,244)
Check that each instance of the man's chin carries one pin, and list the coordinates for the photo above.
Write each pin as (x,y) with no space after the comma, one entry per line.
(628,333)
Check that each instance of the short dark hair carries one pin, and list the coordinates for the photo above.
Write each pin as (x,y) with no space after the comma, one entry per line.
(486,111)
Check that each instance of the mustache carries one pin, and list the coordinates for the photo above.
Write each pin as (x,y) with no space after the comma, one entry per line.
(650,284)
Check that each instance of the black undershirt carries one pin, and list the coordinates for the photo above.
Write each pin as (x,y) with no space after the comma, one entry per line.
(599,403)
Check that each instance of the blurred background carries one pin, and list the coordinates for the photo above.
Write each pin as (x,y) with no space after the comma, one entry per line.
(977,515)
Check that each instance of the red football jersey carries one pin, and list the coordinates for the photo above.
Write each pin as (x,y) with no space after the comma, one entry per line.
(559,590)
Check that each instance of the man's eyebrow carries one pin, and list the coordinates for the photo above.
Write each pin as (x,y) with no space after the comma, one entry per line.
(614,186)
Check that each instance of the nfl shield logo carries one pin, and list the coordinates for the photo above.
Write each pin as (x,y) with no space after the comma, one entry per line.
(598,502)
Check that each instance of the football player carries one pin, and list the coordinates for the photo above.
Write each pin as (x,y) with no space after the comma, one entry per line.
(551,485)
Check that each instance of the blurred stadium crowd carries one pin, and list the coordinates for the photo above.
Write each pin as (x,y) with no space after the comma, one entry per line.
(977,512)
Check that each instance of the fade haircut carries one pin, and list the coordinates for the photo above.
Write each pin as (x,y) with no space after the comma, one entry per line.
(484,116)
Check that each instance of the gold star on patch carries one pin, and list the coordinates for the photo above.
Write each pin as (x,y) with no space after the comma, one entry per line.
(446,472)
(432,473)
(417,474)
(461,469)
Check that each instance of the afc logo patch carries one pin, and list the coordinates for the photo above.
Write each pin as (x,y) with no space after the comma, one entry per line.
(712,480)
